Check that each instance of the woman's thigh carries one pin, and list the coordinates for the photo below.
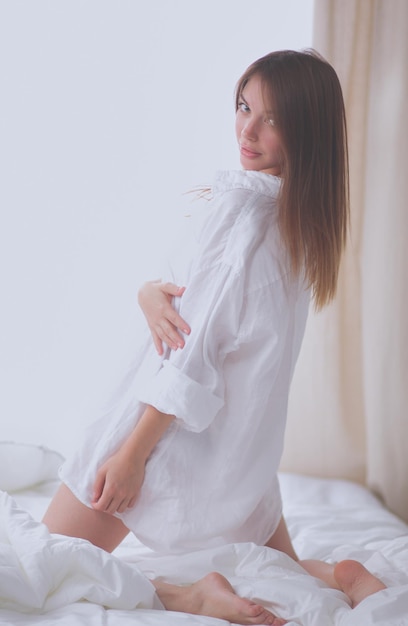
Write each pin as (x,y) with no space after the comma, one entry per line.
(66,515)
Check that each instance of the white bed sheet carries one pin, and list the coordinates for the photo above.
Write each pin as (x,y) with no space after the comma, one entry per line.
(328,519)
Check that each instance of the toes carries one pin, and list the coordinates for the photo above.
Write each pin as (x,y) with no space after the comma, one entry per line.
(277,621)
(267,618)
(272,621)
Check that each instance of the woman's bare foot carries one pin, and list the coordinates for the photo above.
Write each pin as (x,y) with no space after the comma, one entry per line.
(356,581)
(213,596)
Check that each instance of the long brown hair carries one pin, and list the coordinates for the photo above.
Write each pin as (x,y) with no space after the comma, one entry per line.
(304,93)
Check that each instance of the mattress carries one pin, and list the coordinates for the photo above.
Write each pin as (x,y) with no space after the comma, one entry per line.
(48,579)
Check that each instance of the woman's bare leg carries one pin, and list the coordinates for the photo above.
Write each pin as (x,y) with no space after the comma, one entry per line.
(348,576)
(281,540)
(66,515)
(323,571)
(213,596)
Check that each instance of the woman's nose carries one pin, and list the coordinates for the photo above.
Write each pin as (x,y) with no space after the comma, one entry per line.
(249,129)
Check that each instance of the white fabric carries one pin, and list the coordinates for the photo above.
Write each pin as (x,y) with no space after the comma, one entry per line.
(46,577)
(212,477)
(44,572)
(23,465)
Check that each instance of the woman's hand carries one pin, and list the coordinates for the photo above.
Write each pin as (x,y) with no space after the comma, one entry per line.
(118,483)
(155,300)
(119,480)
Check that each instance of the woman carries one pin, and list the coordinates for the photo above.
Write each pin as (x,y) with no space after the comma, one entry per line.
(188,456)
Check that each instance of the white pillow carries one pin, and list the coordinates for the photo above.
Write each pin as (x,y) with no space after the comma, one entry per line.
(24,465)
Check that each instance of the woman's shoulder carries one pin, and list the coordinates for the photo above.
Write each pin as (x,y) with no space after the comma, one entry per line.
(239,222)
(239,200)
(246,180)
(234,194)
(244,202)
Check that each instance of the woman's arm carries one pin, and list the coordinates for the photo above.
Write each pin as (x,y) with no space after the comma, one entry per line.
(155,300)
(120,478)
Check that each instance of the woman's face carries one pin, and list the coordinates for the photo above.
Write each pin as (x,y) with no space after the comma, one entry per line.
(258,139)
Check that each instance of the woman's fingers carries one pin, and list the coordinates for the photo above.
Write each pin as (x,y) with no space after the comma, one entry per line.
(178,322)
(98,487)
(157,342)
(170,336)
(104,497)
(122,507)
(111,503)
(118,505)
(166,325)
(166,332)
(171,314)
(176,319)
(172,290)
(125,504)
(132,502)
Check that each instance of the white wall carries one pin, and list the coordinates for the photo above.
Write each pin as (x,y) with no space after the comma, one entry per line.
(108,112)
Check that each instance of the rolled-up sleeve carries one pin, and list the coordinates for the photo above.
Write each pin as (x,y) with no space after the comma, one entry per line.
(173,392)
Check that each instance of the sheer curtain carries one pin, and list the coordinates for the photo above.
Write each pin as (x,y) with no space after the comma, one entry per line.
(348,410)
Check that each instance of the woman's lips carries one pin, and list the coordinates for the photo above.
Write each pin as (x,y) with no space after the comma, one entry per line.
(247,152)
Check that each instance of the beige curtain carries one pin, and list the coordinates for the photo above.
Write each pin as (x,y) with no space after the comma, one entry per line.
(348,409)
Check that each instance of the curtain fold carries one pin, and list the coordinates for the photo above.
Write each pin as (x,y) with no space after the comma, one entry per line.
(348,414)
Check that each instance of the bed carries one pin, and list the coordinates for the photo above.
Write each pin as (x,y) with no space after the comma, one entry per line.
(47,579)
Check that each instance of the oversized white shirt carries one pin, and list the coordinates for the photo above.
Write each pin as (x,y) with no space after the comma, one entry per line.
(212,478)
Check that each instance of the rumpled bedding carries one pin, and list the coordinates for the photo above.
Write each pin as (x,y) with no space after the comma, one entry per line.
(40,571)
(48,579)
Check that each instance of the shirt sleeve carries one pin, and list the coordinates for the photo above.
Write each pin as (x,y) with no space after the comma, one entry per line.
(190,383)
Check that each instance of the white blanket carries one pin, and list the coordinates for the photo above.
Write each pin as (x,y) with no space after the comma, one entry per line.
(48,579)
(40,571)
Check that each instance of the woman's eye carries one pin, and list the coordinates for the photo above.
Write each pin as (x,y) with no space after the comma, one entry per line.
(269,121)
(243,107)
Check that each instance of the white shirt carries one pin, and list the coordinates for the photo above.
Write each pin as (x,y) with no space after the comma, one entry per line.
(212,478)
